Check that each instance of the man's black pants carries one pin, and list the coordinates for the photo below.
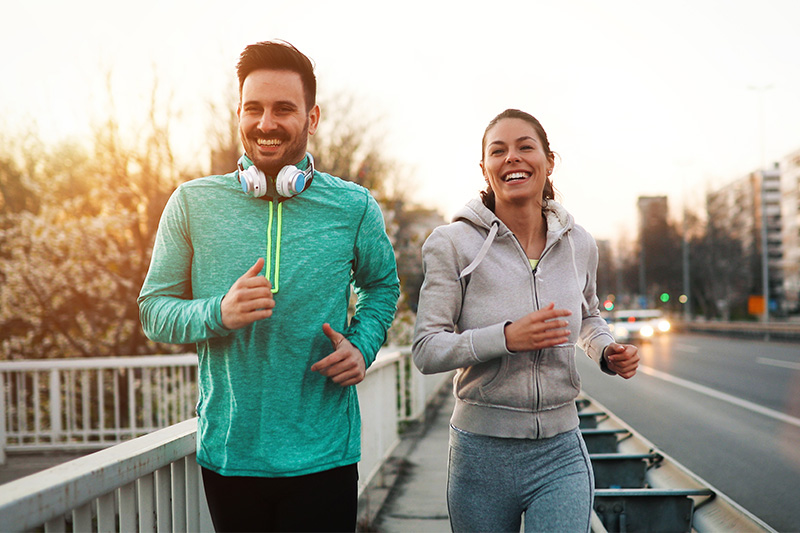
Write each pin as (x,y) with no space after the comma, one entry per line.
(325,501)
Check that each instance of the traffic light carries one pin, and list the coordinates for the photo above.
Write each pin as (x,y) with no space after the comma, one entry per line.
(664,297)
(608,305)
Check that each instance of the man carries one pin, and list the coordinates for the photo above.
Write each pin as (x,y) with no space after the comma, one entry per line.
(256,268)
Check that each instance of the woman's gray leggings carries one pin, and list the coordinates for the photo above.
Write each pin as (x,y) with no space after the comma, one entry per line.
(493,481)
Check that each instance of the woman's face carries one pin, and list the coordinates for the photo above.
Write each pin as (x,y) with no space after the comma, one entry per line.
(514,162)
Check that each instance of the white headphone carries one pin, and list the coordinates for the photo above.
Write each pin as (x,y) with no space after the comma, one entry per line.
(289,182)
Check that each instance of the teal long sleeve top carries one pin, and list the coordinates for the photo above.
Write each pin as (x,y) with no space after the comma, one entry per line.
(261,410)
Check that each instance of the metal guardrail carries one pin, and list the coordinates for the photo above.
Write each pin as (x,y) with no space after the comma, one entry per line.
(789,331)
(640,488)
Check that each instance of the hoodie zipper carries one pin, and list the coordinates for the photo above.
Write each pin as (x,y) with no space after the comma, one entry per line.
(537,358)
(537,389)
(538,355)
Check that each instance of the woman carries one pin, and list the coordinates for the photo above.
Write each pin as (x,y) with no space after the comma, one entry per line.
(509,291)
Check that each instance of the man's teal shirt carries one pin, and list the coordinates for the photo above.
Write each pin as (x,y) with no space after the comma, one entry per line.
(262,411)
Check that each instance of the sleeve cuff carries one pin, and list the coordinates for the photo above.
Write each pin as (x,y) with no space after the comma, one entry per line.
(490,342)
(215,317)
(604,362)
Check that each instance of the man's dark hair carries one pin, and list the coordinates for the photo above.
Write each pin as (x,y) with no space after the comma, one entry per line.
(278,55)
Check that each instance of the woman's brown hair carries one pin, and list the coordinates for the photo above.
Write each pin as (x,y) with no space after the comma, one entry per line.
(487,195)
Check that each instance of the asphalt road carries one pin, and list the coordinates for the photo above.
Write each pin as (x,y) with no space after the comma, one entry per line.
(727,409)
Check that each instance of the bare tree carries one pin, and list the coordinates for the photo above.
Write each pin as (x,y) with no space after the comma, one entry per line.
(74,265)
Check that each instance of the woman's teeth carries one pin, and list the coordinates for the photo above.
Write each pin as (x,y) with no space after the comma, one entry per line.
(515,176)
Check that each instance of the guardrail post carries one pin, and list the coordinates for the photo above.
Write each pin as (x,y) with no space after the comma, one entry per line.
(55,404)
(3,418)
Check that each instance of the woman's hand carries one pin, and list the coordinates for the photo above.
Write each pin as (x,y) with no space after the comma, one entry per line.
(622,359)
(538,330)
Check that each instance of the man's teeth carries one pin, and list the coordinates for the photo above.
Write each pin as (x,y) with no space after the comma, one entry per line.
(268,142)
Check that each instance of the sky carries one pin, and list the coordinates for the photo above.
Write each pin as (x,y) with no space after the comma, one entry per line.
(638,98)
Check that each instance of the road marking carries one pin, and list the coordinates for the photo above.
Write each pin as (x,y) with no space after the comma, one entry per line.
(687,348)
(778,362)
(750,406)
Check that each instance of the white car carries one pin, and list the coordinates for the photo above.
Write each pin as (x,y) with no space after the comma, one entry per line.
(638,324)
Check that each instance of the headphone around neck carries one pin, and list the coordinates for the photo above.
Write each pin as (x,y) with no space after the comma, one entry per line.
(289,182)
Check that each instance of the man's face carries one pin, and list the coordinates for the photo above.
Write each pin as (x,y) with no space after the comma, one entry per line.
(274,124)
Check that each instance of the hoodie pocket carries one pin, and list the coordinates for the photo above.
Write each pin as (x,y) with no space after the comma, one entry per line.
(559,381)
(472,381)
(498,379)
(513,385)
(505,382)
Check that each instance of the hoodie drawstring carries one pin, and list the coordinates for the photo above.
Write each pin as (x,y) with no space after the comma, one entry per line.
(482,252)
(277,247)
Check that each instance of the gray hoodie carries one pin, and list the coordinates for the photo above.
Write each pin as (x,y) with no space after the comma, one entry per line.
(477,280)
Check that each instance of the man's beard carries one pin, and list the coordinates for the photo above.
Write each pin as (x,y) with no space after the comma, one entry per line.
(294,151)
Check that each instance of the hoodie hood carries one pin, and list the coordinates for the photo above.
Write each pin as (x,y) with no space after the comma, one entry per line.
(559,223)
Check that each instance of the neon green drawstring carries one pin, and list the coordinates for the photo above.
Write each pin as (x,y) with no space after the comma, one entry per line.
(277,249)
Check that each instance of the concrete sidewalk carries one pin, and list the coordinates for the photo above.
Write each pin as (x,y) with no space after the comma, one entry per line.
(417,501)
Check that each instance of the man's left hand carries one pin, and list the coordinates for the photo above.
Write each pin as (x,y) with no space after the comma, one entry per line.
(345,365)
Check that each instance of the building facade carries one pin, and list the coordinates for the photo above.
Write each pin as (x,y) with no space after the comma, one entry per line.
(789,168)
(750,211)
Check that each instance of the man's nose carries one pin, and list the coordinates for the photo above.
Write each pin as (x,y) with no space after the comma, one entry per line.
(267,123)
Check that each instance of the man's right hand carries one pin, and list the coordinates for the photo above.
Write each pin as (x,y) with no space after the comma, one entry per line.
(248,300)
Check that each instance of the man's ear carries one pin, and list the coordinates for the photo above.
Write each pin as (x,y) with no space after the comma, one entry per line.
(313,120)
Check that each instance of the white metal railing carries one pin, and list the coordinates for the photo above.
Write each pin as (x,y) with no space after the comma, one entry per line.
(152,483)
(93,403)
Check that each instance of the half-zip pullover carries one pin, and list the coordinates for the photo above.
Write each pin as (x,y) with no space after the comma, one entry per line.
(262,411)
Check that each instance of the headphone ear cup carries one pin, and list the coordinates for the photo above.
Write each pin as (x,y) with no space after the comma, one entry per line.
(253,181)
(290,181)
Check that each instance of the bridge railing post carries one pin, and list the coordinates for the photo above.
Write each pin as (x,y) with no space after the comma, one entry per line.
(3,418)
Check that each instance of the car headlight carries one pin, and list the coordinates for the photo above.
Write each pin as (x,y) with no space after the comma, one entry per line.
(663,326)
(621,332)
(647,331)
